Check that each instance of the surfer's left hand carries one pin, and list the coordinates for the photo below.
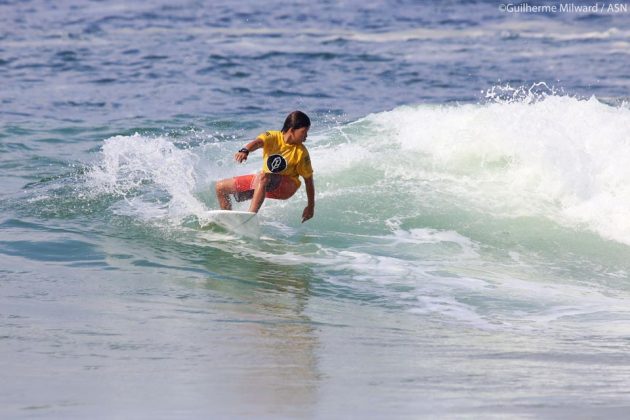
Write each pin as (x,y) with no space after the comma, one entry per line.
(308,213)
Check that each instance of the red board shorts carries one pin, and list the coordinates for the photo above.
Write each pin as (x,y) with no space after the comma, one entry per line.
(281,187)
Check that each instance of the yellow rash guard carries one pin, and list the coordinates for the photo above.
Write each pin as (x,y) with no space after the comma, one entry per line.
(286,159)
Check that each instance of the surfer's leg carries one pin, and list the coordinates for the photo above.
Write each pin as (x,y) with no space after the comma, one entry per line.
(224,188)
(262,182)
(273,186)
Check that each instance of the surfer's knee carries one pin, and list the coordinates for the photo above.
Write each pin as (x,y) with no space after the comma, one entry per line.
(264,179)
(223,186)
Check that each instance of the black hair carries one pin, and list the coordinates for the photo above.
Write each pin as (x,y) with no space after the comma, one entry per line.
(295,120)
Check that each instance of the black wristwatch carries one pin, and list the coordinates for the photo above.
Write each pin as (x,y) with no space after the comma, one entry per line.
(244,150)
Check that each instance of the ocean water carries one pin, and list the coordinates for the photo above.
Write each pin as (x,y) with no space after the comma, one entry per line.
(470,251)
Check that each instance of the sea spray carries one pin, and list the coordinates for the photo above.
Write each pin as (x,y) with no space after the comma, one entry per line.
(155,178)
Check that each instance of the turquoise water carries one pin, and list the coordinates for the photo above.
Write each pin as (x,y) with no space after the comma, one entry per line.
(469,255)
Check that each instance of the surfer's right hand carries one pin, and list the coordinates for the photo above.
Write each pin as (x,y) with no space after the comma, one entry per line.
(240,157)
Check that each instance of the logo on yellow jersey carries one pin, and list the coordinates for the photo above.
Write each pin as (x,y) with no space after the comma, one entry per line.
(276,163)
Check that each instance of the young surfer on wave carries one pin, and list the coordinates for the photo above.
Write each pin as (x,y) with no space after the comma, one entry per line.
(285,159)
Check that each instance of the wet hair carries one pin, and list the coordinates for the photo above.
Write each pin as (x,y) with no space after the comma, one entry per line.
(295,120)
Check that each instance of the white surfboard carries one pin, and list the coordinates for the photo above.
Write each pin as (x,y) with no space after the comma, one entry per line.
(242,223)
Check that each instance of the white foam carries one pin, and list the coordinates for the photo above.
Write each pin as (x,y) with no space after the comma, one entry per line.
(559,157)
(130,163)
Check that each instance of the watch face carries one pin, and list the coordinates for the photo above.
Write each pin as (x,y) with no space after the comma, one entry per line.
(276,163)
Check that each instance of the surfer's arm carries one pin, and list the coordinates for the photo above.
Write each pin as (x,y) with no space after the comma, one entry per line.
(242,154)
(309,210)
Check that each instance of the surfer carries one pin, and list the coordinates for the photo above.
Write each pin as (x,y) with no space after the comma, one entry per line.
(285,159)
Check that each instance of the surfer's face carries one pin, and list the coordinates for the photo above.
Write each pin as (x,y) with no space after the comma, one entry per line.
(300,134)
